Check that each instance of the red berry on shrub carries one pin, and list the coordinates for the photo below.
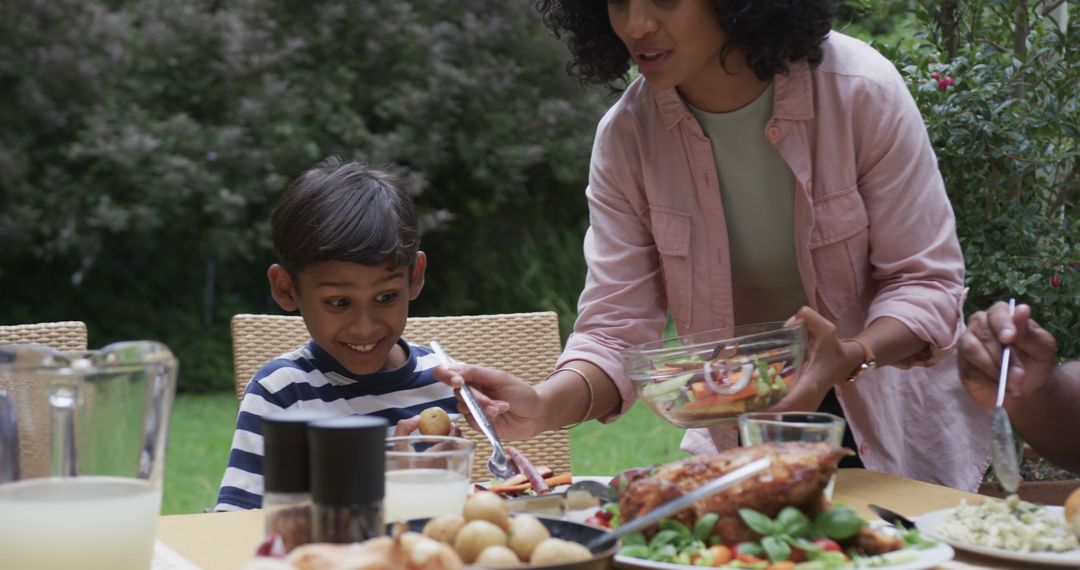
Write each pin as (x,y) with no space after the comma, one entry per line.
(1055,281)
(935,75)
(948,80)
(941,85)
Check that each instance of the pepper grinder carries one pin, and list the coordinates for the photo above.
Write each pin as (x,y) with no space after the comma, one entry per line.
(348,477)
(286,476)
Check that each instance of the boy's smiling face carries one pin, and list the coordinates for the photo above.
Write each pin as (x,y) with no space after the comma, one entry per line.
(354,312)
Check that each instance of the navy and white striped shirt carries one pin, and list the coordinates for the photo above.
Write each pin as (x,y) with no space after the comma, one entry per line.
(310,379)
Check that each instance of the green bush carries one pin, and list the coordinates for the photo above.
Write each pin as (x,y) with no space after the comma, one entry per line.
(142,144)
(1005,132)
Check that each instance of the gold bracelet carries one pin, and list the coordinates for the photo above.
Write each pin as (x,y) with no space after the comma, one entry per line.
(588,386)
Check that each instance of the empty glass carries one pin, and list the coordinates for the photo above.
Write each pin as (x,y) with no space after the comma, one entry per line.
(426,476)
(82,454)
(807,427)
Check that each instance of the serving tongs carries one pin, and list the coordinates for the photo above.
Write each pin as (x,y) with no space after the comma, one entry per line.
(499,463)
(1002,444)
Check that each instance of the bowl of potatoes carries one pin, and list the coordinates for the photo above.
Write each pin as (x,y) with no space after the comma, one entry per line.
(487,535)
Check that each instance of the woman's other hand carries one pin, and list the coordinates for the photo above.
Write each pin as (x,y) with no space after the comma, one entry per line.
(828,361)
(513,405)
(1033,356)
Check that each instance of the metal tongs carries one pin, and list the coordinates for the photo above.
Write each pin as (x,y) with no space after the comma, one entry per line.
(1002,443)
(498,464)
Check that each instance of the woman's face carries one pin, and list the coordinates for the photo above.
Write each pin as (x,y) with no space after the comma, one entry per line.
(672,41)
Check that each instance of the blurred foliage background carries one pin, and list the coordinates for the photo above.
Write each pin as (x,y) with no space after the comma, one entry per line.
(143,143)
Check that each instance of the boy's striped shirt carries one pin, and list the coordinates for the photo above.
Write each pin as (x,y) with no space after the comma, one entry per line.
(310,379)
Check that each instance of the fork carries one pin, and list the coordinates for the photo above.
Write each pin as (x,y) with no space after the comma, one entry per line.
(498,464)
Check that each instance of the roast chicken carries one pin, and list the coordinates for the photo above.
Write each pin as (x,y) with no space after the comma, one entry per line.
(798,476)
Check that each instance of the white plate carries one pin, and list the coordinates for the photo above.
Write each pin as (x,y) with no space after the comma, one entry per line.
(929,522)
(927,559)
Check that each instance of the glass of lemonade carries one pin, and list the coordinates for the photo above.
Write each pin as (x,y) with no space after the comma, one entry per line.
(82,454)
(426,476)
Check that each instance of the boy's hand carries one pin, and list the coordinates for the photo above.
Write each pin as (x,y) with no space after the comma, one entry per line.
(1034,352)
(410,425)
(407,426)
(514,407)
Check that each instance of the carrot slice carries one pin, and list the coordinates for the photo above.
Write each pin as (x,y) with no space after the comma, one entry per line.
(561,479)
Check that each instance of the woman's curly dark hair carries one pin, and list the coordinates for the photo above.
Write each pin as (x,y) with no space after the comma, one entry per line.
(771,33)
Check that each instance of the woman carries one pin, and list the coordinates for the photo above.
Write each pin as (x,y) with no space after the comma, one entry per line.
(761,167)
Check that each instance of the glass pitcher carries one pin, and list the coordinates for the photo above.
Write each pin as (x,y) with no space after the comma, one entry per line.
(82,454)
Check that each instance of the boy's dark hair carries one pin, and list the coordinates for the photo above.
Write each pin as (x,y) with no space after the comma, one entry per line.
(770,32)
(344,211)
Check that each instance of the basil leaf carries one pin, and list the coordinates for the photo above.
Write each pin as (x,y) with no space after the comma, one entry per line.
(839,523)
(635,551)
(663,538)
(665,553)
(752,548)
(800,543)
(793,521)
(633,539)
(672,524)
(758,522)
(703,528)
(776,549)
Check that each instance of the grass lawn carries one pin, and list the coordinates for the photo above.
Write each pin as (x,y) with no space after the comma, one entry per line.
(202,426)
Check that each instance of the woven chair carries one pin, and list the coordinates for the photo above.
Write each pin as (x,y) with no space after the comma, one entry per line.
(524,344)
(68,336)
(34,427)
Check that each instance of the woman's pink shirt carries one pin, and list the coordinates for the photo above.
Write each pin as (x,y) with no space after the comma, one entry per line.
(875,237)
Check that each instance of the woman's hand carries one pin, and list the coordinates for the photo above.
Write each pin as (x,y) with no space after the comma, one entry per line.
(1033,354)
(513,405)
(827,363)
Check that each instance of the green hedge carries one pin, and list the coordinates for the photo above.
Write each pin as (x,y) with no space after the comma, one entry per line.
(142,144)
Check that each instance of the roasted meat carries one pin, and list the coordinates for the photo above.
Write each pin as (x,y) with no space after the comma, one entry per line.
(797,477)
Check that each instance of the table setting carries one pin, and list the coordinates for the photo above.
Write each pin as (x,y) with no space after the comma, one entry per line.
(351,492)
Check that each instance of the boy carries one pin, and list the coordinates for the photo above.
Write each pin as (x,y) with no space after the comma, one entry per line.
(347,241)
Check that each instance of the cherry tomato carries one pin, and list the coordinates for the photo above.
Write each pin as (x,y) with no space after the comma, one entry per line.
(828,545)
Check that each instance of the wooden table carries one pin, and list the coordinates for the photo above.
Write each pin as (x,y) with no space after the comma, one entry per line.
(226,541)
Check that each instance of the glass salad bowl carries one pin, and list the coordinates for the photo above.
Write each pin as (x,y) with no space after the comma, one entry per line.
(712,377)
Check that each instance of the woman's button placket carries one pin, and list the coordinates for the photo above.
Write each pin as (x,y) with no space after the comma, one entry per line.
(773,133)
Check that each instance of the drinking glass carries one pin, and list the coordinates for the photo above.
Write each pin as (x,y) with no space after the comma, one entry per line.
(82,454)
(426,476)
(808,427)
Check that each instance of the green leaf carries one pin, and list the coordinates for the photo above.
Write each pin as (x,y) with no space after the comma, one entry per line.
(839,522)
(634,539)
(793,521)
(758,522)
(663,538)
(672,524)
(703,528)
(776,549)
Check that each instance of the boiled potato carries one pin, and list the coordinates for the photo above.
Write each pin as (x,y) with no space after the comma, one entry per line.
(554,550)
(498,556)
(444,528)
(1072,512)
(488,506)
(475,536)
(526,531)
(434,421)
